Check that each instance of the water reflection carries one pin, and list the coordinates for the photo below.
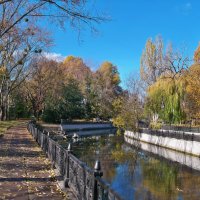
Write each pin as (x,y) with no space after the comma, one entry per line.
(135,174)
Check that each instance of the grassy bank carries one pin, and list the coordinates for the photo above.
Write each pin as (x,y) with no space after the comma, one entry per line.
(4,125)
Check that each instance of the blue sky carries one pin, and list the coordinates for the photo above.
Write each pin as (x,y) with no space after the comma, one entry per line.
(122,39)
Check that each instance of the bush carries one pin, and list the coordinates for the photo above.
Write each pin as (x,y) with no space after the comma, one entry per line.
(50,116)
(156,126)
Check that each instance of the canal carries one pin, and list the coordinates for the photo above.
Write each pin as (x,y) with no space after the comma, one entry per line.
(136,174)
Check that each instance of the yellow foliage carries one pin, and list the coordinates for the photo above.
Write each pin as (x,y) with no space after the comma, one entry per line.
(197,55)
(68,59)
(2,70)
(108,70)
(193,90)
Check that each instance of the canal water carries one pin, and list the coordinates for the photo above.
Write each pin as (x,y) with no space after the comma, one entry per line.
(136,174)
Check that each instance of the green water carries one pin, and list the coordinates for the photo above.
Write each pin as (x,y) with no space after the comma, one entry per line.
(134,174)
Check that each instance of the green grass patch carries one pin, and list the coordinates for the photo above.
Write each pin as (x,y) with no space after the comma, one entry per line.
(4,125)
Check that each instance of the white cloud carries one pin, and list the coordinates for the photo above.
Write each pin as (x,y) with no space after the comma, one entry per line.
(54,56)
(186,8)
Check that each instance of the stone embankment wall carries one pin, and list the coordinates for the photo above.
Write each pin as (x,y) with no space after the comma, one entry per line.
(179,141)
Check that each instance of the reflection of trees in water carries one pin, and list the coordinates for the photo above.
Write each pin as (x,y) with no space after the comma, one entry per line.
(160,179)
(190,185)
(111,153)
(126,156)
(167,180)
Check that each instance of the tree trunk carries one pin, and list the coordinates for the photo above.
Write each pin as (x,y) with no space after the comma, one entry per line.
(3,113)
(4,105)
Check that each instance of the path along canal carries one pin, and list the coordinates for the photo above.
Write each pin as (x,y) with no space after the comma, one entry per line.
(136,174)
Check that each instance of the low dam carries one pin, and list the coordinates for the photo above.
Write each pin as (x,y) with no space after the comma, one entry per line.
(84,126)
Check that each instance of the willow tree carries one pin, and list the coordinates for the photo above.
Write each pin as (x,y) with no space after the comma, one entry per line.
(166,100)
(162,70)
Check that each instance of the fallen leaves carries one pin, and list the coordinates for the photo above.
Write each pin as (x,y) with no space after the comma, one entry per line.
(26,168)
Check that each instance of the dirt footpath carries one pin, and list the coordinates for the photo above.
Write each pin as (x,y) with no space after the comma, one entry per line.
(25,172)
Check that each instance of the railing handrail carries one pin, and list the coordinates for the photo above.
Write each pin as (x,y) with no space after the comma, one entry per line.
(172,134)
(107,185)
(67,161)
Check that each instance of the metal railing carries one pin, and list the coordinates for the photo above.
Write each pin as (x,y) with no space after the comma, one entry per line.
(86,183)
(182,128)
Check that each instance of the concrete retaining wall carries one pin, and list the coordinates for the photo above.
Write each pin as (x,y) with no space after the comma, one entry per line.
(185,146)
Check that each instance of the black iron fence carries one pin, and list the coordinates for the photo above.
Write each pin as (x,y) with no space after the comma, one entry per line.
(86,183)
(182,128)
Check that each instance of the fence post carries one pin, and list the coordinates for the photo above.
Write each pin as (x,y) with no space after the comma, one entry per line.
(66,179)
(54,155)
(97,173)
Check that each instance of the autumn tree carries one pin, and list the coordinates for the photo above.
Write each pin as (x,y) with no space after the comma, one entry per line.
(70,106)
(128,107)
(15,12)
(176,62)
(43,84)
(157,61)
(18,107)
(15,57)
(75,68)
(166,100)
(22,35)
(151,65)
(197,55)
(162,70)
(193,89)
(105,89)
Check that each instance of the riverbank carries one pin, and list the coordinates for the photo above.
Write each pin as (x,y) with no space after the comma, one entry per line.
(178,141)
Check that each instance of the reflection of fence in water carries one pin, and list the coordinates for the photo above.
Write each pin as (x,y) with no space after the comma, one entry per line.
(85,182)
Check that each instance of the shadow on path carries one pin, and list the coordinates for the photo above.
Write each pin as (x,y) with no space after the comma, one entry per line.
(25,172)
